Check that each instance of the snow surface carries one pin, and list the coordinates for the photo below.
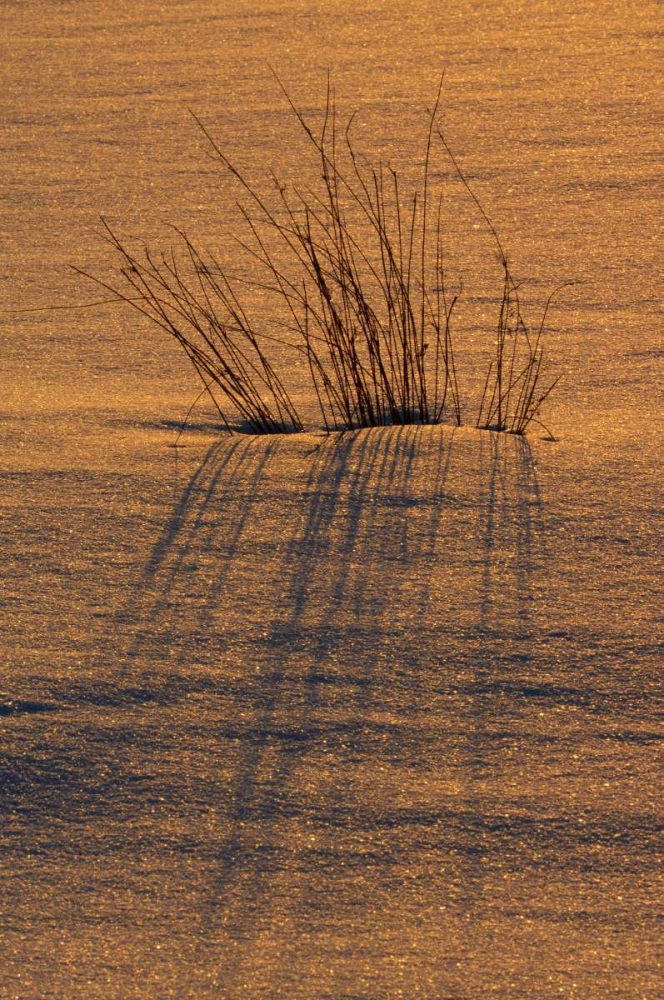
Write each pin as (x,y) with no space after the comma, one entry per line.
(317,718)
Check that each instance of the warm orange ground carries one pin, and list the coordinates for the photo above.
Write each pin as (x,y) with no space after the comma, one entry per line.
(314,720)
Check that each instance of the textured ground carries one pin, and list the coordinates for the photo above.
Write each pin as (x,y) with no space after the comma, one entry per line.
(372,716)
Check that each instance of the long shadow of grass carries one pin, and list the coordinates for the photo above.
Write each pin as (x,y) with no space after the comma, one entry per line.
(354,633)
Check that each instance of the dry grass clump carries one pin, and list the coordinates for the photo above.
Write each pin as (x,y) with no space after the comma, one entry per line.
(356,267)
(189,297)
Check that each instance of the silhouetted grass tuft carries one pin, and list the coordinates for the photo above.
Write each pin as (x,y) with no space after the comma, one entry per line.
(357,270)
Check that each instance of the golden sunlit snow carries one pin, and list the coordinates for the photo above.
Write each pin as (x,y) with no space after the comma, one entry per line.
(307,717)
